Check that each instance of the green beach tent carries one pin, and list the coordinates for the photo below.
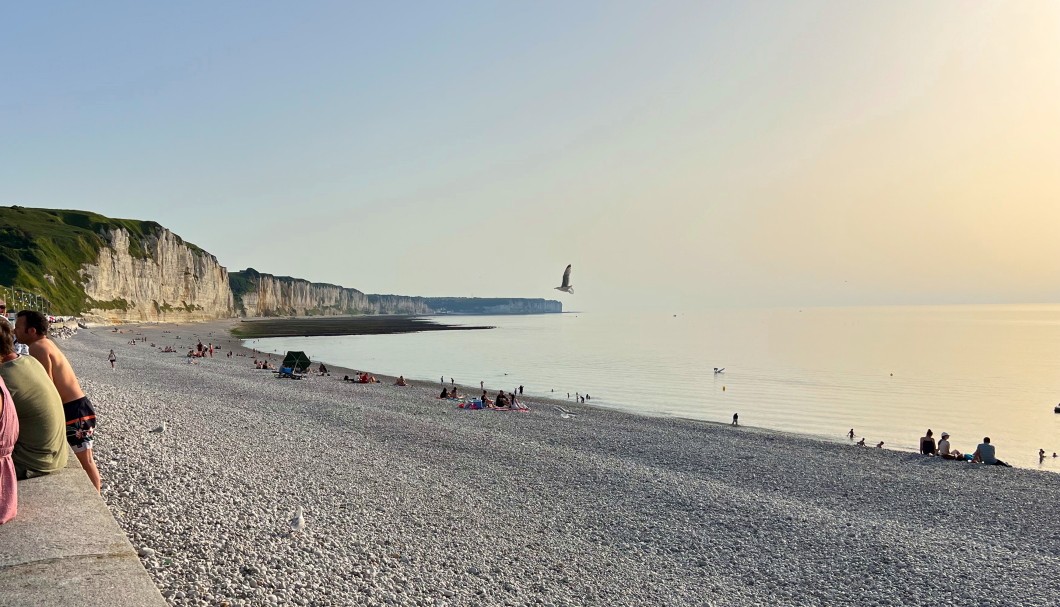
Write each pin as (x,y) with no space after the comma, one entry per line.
(296,360)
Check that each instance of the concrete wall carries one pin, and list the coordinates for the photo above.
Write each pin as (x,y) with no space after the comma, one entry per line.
(64,548)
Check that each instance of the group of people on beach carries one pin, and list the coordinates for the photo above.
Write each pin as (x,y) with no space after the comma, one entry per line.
(361,378)
(43,410)
(984,453)
(503,401)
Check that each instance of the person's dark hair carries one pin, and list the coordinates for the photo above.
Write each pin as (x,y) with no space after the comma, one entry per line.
(986,439)
(929,432)
(7,338)
(35,320)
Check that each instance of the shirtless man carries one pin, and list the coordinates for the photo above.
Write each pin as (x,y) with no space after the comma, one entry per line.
(31,327)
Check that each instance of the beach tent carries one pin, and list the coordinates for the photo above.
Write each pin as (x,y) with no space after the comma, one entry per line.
(297,360)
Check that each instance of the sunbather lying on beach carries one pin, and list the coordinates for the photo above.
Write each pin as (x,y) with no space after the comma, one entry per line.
(401,381)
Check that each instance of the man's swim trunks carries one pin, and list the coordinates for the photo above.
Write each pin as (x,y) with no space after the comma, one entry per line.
(80,424)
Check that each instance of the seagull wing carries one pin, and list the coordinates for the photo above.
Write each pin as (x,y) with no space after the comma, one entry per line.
(566,277)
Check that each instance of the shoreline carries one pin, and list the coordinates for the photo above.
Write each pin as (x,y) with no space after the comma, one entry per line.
(235,342)
(409,500)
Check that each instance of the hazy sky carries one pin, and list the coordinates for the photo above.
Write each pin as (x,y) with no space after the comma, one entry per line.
(679,154)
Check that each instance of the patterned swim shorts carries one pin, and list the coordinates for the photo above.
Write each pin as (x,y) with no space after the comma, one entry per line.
(80,424)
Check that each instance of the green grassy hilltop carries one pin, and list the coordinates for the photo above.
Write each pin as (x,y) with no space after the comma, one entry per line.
(42,251)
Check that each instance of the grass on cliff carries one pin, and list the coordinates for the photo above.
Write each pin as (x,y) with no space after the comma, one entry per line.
(43,250)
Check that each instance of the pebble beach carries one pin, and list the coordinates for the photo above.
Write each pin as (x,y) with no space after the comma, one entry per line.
(409,500)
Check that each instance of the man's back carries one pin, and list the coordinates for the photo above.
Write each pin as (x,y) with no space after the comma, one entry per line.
(986,453)
(41,444)
(58,368)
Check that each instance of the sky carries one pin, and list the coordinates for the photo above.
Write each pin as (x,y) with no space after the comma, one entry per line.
(681,155)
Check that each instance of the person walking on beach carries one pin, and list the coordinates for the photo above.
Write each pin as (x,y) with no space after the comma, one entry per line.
(31,327)
(850,434)
(113,359)
(736,419)
(520,390)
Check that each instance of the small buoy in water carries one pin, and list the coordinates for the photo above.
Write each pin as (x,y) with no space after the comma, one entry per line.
(723,388)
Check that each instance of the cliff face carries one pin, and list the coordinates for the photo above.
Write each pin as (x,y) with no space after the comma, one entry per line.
(166,280)
(260,294)
(70,262)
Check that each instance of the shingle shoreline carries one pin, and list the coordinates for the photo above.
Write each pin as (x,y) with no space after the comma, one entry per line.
(411,501)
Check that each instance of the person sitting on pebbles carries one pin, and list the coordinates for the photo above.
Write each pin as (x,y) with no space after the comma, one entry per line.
(502,401)
(944,448)
(444,394)
(486,401)
(927,444)
(985,454)
(401,381)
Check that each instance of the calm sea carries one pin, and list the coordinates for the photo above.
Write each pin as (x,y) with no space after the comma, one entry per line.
(889,373)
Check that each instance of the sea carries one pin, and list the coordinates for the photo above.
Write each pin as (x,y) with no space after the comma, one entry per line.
(888,373)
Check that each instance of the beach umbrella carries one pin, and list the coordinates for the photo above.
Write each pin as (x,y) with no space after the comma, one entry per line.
(297,360)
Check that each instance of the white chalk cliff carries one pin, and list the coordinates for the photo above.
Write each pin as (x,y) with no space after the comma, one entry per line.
(167,280)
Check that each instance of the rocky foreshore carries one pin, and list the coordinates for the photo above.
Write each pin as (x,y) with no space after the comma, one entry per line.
(411,501)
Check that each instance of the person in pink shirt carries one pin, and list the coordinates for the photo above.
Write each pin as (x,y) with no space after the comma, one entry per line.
(8,436)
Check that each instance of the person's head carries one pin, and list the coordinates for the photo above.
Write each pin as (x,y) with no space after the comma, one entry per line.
(7,338)
(3,307)
(929,433)
(986,439)
(31,326)
(945,435)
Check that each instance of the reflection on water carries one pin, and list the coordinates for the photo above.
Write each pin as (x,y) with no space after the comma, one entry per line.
(890,372)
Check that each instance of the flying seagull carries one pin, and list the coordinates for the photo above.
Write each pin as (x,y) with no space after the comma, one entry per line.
(159,430)
(566,286)
(298,522)
(717,370)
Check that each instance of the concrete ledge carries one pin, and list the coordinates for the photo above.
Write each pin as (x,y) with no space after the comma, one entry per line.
(65,548)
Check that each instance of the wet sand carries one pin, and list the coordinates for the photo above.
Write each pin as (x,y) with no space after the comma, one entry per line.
(340,325)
